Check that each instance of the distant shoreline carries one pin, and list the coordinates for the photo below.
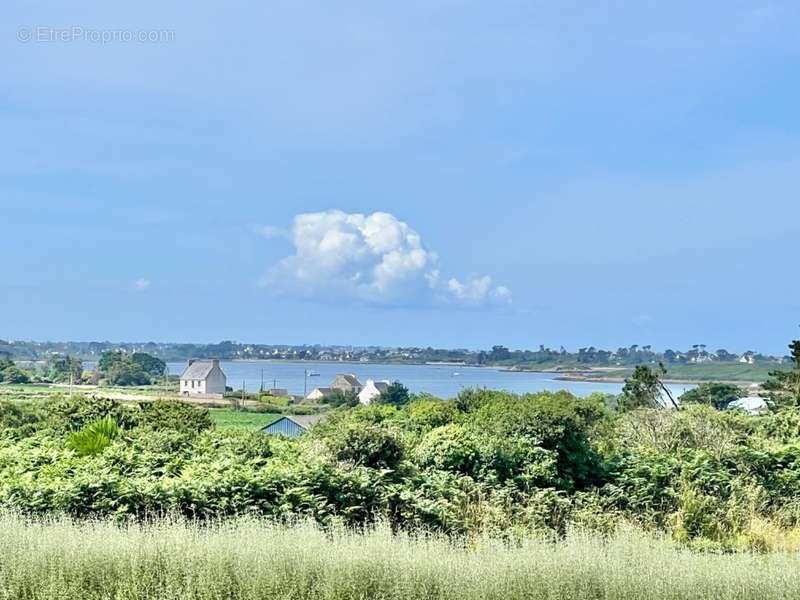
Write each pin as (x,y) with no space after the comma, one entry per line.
(587,376)
(591,376)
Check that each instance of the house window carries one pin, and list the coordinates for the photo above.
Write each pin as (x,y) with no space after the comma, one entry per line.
(192,382)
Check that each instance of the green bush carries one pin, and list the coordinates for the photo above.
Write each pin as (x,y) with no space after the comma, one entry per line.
(72,413)
(373,446)
(174,414)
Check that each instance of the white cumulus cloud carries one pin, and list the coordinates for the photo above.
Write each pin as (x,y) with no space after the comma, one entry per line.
(374,258)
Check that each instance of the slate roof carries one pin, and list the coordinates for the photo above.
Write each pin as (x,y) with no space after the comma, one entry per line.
(325,391)
(199,369)
(381,386)
(349,378)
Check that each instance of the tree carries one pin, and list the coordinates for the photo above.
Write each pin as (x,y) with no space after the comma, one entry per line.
(14,374)
(108,359)
(155,367)
(499,353)
(396,394)
(126,372)
(138,369)
(65,368)
(718,395)
(341,398)
(644,388)
(783,387)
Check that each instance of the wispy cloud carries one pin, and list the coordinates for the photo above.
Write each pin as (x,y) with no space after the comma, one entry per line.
(142,285)
(374,258)
(269,232)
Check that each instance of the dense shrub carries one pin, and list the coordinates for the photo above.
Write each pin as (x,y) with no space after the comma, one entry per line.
(18,420)
(173,414)
(73,412)
(374,446)
(488,462)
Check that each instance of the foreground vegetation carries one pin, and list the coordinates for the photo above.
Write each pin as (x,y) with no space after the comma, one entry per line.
(251,559)
(485,464)
(488,495)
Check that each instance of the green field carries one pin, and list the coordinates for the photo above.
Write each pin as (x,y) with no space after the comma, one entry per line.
(251,559)
(226,418)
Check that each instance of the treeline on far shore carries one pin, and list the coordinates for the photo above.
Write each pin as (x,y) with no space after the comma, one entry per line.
(498,355)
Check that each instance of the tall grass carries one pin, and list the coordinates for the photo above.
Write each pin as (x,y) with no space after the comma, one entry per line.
(249,559)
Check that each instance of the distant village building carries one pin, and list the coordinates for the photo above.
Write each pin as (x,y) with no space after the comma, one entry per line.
(372,390)
(347,382)
(319,393)
(203,378)
(292,425)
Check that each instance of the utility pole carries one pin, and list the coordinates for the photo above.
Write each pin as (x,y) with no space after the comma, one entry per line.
(305,383)
(262,381)
(243,393)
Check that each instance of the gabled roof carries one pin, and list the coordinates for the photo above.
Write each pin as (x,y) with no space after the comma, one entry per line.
(381,386)
(349,378)
(303,421)
(325,391)
(306,421)
(199,369)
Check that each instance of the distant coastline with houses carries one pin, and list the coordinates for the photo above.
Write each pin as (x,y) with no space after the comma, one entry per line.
(206,379)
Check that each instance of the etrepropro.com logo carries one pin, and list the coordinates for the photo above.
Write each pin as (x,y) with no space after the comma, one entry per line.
(63,35)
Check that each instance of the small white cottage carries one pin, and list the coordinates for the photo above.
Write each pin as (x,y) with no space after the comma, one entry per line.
(203,378)
(372,390)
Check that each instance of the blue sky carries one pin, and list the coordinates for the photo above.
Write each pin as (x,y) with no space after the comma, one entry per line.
(451,173)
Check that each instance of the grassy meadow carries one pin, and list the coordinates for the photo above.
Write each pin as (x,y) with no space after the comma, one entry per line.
(249,559)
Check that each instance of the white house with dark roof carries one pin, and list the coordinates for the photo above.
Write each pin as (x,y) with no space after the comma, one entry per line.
(372,390)
(203,378)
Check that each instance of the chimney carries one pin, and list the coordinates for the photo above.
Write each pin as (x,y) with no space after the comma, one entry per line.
(215,362)
(191,362)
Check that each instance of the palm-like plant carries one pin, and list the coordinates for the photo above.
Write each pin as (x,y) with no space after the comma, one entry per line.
(94,437)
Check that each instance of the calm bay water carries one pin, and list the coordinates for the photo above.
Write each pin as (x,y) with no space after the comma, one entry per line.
(439,380)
